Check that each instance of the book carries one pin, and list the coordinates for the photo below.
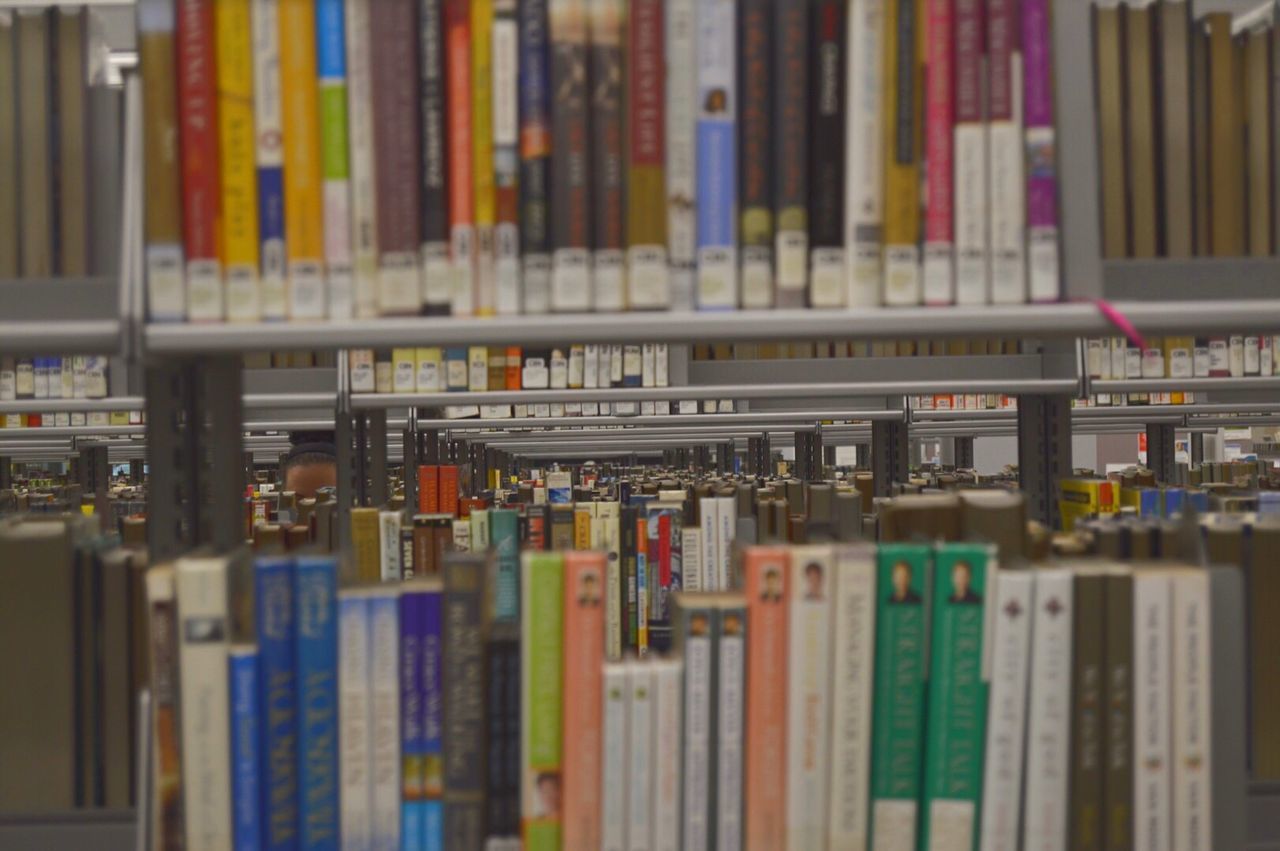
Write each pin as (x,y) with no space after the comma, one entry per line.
(665,835)
(828,43)
(542,622)
(166,806)
(583,614)
(458,153)
(316,651)
(1173,30)
(384,703)
(790,154)
(1140,129)
(199,126)
(331,62)
(535,155)
(717,173)
(730,635)
(901,92)
(237,145)
(605,24)
(1152,707)
(1087,694)
(695,647)
(1257,105)
(615,741)
(639,756)
(1049,711)
(9,260)
(1108,57)
(1226,678)
(362,174)
(1006,152)
(864,166)
(246,756)
(162,214)
(462,664)
(1118,786)
(570,170)
(681,148)
(765,572)
(355,715)
(648,286)
(303,189)
(71,52)
(274,613)
(506,143)
(972,220)
(413,667)
(809,695)
(1227,227)
(436,284)
(940,130)
(482,179)
(502,708)
(1191,799)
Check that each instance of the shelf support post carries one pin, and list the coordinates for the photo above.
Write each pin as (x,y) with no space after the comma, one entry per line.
(1161,458)
(962,453)
(1197,447)
(889,455)
(1044,453)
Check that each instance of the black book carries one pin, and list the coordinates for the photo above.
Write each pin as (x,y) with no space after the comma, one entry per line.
(827,153)
(465,762)
(630,592)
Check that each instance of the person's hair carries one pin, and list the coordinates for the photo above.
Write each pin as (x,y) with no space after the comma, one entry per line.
(309,448)
(306,459)
(812,568)
(967,567)
(547,775)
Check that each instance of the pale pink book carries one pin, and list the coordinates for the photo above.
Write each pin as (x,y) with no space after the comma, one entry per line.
(765,579)
(583,708)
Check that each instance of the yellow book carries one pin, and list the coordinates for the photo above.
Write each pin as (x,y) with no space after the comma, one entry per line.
(430,377)
(119,418)
(404,370)
(365,547)
(902,139)
(1085,498)
(482,180)
(303,208)
(236,146)
(581,529)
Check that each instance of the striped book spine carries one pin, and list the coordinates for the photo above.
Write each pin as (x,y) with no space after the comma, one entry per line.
(864,168)
(570,159)
(755,131)
(900,88)
(437,288)
(316,623)
(648,285)
(717,155)
(482,186)
(939,133)
(682,157)
(970,184)
(535,155)
(363,178)
(269,156)
(239,179)
(1007,192)
(300,111)
(506,157)
(827,154)
(457,29)
(790,152)
(608,215)
(397,147)
(162,227)
(331,58)
(1041,165)
(274,621)
(197,114)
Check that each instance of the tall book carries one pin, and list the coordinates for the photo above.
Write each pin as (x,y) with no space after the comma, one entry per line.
(542,657)
(384,703)
(355,715)
(939,137)
(1257,106)
(1108,58)
(246,755)
(463,687)
(639,757)
(303,210)
(898,713)
(535,155)
(667,674)
(755,161)
(1173,28)
(268,121)
(972,223)
(331,60)
(809,695)
(413,600)
(695,647)
(72,53)
(1041,165)
(9,149)
(681,148)
(789,162)
(166,824)
(1226,163)
(482,185)
(203,643)
(1140,127)
(362,173)
(397,148)
(274,614)
(315,593)
(236,142)
(606,20)
(1192,723)
(162,215)
(901,89)
(199,126)
(648,285)
(1227,678)
(615,739)
(458,153)
(1049,712)
(1087,694)
(730,635)
(570,192)
(1118,784)
(828,44)
(436,289)
(583,592)
(1005,154)
(864,168)
(717,146)
(506,157)
(1152,708)
(765,583)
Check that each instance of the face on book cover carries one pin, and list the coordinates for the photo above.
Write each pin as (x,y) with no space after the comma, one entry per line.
(306,479)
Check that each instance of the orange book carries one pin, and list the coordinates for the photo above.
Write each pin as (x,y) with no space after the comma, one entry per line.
(448,489)
(765,577)
(515,357)
(583,663)
(428,489)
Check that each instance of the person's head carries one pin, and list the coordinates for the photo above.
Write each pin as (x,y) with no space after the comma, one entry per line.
(548,784)
(813,579)
(311,464)
(901,579)
(961,577)
(773,582)
(590,584)
(732,624)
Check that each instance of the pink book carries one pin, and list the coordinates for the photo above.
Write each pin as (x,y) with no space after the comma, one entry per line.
(939,129)
(970,156)
(583,708)
(1042,175)
(765,578)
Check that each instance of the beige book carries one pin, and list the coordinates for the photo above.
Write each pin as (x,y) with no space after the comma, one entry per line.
(1199,43)
(35,182)
(1140,128)
(1226,163)
(1110,96)
(8,151)
(1258,130)
(1173,26)
(73,138)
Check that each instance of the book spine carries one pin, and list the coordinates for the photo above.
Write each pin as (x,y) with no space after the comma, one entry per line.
(541,700)
(808,696)
(198,124)
(436,283)
(629,592)
(166,819)
(681,148)
(756,226)
(506,544)
(696,652)
(412,737)
(363,176)
(1005,150)
(570,191)
(331,60)
(731,635)
(717,155)
(901,89)
(827,153)
(463,711)
(1192,701)
(1041,165)
(384,690)
(506,157)
(609,269)
(1118,785)
(397,149)
(643,598)
(666,758)
(274,613)
(1087,733)
(482,179)
(535,155)
(502,701)
(582,722)
(691,558)
(864,169)
(432,638)
(765,581)
(239,192)
(315,600)
(970,185)
(939,132)
(1152,716)
(639,744)
(246,757)
(162,225)
(726,531)
(457,54)
(615,741)
(648,284)
(790,152)
(708,522)
(354,719)
(303,212)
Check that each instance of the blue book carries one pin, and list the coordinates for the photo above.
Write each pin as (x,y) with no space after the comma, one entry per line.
(315,592)
(277,701)
(504,536)
(433,719)
(246,792)
(412,743)
(455,369)
(717,168)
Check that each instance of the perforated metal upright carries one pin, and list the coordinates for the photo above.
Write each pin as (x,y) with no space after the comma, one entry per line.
(1197,447)
(962,452)
(411,445)
(1044,453)
(6,472)
(1161,456)
(889,455)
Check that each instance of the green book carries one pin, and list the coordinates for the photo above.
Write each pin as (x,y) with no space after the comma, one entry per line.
(957,699)
(504,529)
(902,644)
(541,700)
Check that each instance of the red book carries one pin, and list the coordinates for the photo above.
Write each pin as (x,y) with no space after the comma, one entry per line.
(939,130)
(583,707)
(449,489)
(765,579)
(428,489)
(664,550)
(514,360)
(537,528)
(198,134)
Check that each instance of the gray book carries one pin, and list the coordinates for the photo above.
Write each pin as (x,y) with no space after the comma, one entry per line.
(465,751)
(71,175)
(8,149)
(35,177)
(1227,723)
(1174,93)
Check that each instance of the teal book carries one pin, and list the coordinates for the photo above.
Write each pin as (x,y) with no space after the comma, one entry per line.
(955,732)
(504,535)
(902,647)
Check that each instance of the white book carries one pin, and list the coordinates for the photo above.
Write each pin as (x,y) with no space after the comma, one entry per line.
(1235,355)
(558,370)
(398,283)
(536,277)
(864,160)
(691,561)
(616,360)
(609,274)
(404,371)
(1049,713)
(571,276)
(1152,711)
(726,531)
(809,696)
(614,776)
(361,370)
(648,367)
(661,365)
(730,729)
(577,367)
(506,140)
(462,536)
(362,174)
(973,265)
(681,148)
(389,538)
(8,380)
(640,720)
(695,830)
(1192,712)
(591,366)
(268,127)
(1007,658)
(204,633)
(709,522)
(462,260)
(354,721)
(608,515)
(648,281)
(1008,193)
(853,670)
(384,690)
(666,754)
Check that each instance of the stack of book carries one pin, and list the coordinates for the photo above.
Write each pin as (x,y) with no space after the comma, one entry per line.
(472,158)
(38,379)
(1220,356)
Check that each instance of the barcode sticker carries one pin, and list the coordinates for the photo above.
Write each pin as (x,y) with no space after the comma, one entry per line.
(827,284)
(306,290)
(717,275)
(243,295)
(571,280)
(757,276)
(610,280)
(166,297)
(939,257)
(901,275)
(1042,260)
(793,257)
(647,277)
(204,291)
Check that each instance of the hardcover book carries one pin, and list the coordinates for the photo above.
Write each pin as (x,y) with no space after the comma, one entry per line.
(274,613)
(681,148)
(303,208)
(828,43)
(1005,152)
(1040,143)
(355,715)
(864,166)
(717,172)
(809,695)
(162,222)
(331,63)
(571,177)
(237,144)
(463,713)
(648,286)
(791,152)
(535,154)
(199,126)
(901,87)
(606,20)
(972,222)
(755,162)
(939,136)
(362,172)
(542,710)
(316,634)
(583,609)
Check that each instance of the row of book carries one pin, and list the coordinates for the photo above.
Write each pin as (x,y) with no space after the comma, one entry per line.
(60,145)
(1188,145)
(473,158)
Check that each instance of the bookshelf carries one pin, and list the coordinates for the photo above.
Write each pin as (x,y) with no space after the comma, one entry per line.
(60,315)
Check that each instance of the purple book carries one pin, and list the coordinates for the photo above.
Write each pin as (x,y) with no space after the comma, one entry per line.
(1041,151)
